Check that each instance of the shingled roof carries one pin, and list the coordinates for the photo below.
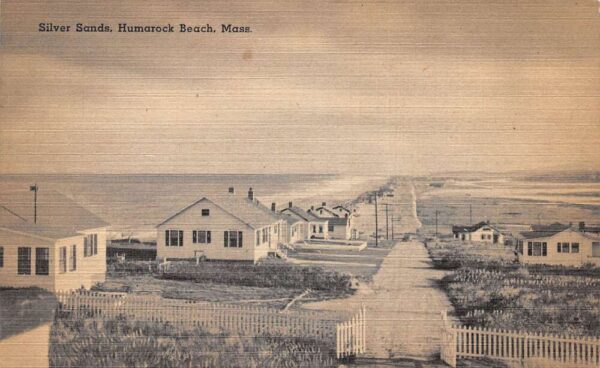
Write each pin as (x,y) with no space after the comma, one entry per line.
(57,216)
(469,228)
(306,216)
(248,211)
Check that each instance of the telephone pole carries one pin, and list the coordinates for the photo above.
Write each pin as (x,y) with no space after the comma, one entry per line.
(376,224)
(392,223)
(387,233)
(470,214)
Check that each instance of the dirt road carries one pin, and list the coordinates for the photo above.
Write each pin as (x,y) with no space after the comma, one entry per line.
(403,301)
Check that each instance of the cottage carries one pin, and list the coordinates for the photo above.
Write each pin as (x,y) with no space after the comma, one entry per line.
(482,232)
(312,227)
(323,211)
(342,211)
(228,227)
(568,247)
(61,247)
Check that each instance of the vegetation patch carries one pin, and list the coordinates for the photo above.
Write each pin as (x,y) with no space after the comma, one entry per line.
(268,273)
(123,343)
(489,289)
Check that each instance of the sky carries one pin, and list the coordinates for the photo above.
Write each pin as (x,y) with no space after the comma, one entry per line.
(342,87)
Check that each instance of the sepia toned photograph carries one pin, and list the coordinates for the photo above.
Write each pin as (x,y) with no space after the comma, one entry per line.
(300,184)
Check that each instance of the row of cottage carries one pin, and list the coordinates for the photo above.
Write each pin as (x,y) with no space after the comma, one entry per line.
(64,245)
(554,244)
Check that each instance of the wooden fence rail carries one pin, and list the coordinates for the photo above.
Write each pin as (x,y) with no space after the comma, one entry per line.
(527,349)
(348,336)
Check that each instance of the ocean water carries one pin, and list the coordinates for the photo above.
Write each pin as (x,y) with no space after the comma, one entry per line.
(136,203)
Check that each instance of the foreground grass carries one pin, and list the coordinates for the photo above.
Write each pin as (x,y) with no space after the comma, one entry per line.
(122,343)
(489,289)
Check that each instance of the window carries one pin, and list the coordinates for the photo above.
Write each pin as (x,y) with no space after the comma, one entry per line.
(73,258)
(314,228)
(90,245)
(565,248)
(42,261)
(558,248)
(24,261)
(201,237)
(62,260)
(320,229)
(330,227)
(205,212)
(1,256)
(265,235)
(174,238)
(596,249)
(574,247)
(232,239)
(537,249)
(258,237)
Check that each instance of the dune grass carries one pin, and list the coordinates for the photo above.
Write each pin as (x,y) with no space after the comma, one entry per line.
(122,343)
(489,289)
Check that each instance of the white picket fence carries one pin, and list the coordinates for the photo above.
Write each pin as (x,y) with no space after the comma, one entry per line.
(347,335)
(519,348)
(351,335)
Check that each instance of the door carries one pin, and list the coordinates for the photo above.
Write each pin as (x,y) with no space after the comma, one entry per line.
(495,238)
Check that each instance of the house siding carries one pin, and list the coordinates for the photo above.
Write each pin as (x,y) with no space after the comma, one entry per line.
(217,222)
(553,257)
(90,270)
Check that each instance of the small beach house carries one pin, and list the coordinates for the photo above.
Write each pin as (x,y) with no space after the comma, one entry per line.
(482,232)
(228,227)
(342,211)
(312,227)
(338,227)
(567,247)
(60,247)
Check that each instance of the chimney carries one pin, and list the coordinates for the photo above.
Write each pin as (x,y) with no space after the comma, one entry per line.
(250,194)
(231,190)
(290,205)
(312,208)
(273,207)
(582,226)
(324,204)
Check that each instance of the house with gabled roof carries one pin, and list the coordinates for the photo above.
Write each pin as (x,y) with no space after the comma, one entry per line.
(228,227)
(482,232)
(312,227)
(342,211)
(60,247)
(338,227)
(559,245)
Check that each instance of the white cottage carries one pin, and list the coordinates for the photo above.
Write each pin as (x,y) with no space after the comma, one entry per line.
(228,227)
(567,247)
(312,227)
(482,232)
(62,247)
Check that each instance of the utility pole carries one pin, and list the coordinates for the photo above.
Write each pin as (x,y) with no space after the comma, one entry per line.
(470,214)
(436,223)
(34,188)
(387,233)
(392,223)
(376,224)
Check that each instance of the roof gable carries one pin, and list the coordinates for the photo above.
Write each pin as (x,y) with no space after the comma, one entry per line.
(242,209)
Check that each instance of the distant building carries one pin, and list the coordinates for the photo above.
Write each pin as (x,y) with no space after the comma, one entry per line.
(339,227)
(64,249)
(323,211)
(554,245)
(312,227)
(228,227)
(482,232)
(342,211)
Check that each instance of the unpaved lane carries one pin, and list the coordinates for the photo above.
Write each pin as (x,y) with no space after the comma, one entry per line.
(403,305)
